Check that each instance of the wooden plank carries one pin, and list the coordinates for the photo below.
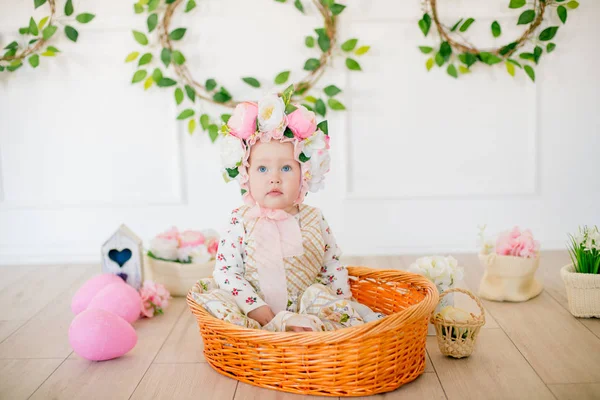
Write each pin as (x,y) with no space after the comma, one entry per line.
(20,378)
(495,370)
(7,328)
(541,324)
(184,344)
(113,379)
(576,391)
(426,387)
(53,320)
(184,381)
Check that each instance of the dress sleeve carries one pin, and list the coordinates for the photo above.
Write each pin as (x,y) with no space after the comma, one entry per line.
(333,273)
(230,266)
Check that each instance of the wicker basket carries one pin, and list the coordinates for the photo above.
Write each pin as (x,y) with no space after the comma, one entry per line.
(583,292)
(457,339)
(376,357)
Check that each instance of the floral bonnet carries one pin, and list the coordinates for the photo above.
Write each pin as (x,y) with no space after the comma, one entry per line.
(275,118)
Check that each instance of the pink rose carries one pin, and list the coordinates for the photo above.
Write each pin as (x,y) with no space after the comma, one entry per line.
(302,122)
(213,246)
(518,244)
(243,120)
(171,234)
(154,299)
(192,239)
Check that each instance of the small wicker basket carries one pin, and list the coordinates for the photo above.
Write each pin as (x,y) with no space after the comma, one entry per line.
(376,357)
(457,339)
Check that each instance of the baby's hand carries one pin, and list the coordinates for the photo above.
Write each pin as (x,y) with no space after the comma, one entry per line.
(263,315)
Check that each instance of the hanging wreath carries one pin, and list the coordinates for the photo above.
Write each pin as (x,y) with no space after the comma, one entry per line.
(455,50)
(36,35)
(177,77)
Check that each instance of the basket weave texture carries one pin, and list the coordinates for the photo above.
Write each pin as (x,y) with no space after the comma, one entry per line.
(457,339)
(583,292)
(376,357)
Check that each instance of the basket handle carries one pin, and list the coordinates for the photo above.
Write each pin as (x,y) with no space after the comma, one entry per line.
(468,293)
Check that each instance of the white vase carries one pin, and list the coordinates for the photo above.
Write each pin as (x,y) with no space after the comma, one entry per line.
(509,278)
(583,292)
(447,300)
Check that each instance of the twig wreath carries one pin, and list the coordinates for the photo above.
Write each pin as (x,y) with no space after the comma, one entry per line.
(159,22)
(453,49)
(37,34)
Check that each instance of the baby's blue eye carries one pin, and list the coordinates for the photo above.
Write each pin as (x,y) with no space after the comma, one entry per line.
(262,169)
(286,168)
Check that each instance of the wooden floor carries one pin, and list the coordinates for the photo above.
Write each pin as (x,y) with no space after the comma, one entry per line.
(532,350)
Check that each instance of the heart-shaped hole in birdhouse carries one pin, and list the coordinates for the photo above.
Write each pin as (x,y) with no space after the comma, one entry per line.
(120,257)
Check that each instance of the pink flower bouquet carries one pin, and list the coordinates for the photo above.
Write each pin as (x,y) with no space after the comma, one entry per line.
(184,247)
(154,299)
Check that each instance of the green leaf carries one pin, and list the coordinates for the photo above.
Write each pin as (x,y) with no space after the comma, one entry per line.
(299,6)
(516,3)
(204,121)
(537,53)
(178,57)
(53,49)
(335,105)
(302,157)
(445,50)
(178,96)
(527,56)
(139,76)
(157,75)
(84,18)
(489,58)
(282,77)
(550,47)
(362,50)
(332,90)
(510,68)
(132,56)
(456,25)
(252,81)
(452,71)
(225,117)
(152,5)
(429,63)
(148,83)
(530,72)
(49,31)
(71,33)
(425,24)
(573,5)
(287,94)
(24,31)
(69,8)
(34,60)
(38,3)
(290,108)
(222,96)
(548,33)
(140,38)
(349,45)
(562,13)
(466,25)
(48,53)
(508,48)
(324,43)
(14,66)
(185,114)
(138,8)
(425,49)
(191,126)
(145,59)
(152,22)
(312,64)
(320,107)
(213,133)
(323,127)
(42,23)
(526,17)
(191,4)
(463,69)
(510,60)
(309,41)
(310,99)
(210,84)
(337,9)
(12,45)
(439,59)
(165,56)
(1,68)
(177,34)
(496,29)
(165,82)
(33,29)
(352,64)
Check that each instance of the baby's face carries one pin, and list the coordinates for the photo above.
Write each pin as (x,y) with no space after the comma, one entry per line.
(274,174)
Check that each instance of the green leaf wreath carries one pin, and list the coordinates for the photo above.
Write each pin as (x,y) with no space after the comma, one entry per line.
(36,35)
(167,68)
(454,51)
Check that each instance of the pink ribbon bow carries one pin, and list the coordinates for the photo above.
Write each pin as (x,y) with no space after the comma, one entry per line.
(277,236)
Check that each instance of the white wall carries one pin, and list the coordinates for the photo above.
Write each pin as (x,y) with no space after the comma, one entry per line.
(420,159)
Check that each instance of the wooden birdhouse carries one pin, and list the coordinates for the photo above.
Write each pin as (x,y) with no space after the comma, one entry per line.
(122,256)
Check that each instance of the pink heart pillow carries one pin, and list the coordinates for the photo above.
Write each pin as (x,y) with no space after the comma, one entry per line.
(99,335)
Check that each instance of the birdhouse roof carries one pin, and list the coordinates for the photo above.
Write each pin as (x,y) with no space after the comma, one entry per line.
(125,231)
